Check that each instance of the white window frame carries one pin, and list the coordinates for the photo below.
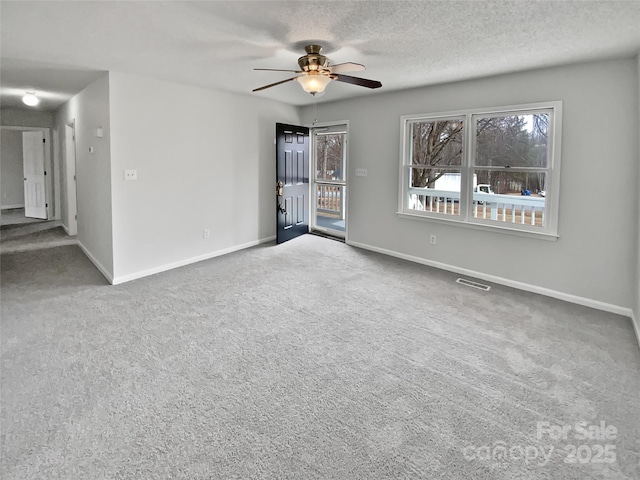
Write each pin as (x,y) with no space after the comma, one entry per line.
(465,218)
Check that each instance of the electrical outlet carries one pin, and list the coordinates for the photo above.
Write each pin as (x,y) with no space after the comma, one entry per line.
(206,233)
(432,239)
(130,174)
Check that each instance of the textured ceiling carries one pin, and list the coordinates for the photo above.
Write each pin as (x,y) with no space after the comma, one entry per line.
(59,46)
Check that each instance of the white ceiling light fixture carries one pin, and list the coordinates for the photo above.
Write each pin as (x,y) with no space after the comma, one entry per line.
(30,98)
(314,82)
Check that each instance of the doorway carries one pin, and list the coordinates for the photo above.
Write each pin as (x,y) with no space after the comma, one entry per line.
(70,177)
(26,175)
(329,179)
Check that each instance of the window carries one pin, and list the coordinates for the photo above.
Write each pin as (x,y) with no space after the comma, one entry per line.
(489,168)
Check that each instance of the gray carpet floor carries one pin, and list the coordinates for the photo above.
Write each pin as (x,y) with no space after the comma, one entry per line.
(34,237)
(308,360)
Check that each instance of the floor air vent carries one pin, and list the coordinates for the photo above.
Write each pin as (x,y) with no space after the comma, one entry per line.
(469,283)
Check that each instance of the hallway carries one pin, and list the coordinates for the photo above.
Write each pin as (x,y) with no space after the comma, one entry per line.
(19,233)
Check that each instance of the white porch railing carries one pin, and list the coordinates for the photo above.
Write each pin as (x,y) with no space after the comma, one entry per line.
(521,209)
(329,198)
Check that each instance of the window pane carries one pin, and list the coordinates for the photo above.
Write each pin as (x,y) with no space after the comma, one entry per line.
(434,190)
(330,156)
(510,197)
(438,178)
(512,140)
(437,143)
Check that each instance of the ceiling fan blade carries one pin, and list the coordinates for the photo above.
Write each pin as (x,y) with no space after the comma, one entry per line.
(363,82)
(346,67)
(277,70)
(274,84)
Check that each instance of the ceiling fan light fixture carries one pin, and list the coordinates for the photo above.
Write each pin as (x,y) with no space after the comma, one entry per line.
(30,99)
(314,83)
(315,73)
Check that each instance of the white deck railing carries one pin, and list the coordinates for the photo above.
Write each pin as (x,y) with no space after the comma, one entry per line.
(521,209)
(329,198)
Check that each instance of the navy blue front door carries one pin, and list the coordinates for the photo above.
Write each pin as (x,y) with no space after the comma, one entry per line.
(292,181)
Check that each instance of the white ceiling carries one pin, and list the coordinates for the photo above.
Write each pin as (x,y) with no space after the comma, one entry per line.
(59,47)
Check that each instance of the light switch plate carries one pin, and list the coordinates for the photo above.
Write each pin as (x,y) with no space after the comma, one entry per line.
(361,172)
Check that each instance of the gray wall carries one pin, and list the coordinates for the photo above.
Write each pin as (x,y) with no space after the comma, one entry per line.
(595,257)
(90,109)
(11,173)
(205,160)
(26,117)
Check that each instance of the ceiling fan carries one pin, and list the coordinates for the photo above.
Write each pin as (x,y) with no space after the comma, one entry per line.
(316,73)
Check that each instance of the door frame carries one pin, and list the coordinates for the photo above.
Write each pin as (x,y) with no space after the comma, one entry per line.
(48,182)
(70,171)
(313,170)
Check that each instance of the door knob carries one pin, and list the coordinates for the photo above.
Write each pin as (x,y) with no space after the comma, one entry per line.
(279,193)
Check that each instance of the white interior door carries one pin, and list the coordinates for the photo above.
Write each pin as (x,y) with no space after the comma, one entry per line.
(34,175)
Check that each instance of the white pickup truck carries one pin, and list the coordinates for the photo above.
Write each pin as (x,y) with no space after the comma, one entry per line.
(483,188)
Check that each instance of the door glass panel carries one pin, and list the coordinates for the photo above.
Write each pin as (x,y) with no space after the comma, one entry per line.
(330,207)
(330,156)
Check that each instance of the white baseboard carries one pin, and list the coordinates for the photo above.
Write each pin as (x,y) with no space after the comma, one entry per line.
(181,263)
(9,207)
(587,302)
(97,264)
(67,230)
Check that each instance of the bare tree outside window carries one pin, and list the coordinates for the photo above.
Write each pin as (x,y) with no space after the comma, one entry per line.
(436,145)
(517,143)
(329,151)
